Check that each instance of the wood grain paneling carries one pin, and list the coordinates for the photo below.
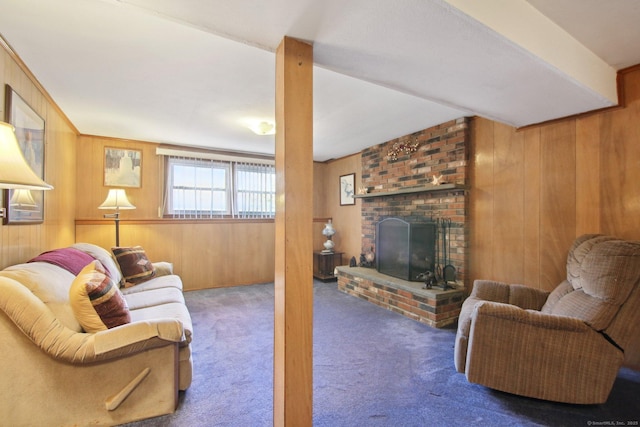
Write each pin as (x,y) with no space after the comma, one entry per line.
(588,175)
(557,200)
(205,254)
(18,243)
(531,224)
(508,202)
(481,200)
(347,220)
(581,175)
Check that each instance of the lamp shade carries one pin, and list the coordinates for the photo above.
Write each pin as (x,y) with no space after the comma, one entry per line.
(116,199)
(15,173)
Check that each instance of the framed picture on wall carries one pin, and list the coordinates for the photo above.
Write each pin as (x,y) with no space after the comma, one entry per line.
(347,189)
(25,206)
(122,168)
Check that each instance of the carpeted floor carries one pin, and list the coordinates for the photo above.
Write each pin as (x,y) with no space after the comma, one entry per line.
(372,367)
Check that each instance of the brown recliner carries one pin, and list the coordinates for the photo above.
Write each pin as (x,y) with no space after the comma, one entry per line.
(564,346)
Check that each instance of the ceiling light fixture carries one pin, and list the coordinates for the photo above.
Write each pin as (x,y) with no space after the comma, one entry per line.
(263,128)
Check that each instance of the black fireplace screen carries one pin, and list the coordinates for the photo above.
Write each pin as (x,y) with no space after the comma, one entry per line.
(403,249)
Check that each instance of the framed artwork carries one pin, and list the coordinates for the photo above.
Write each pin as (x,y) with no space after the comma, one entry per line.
(25,206)
(347,189)
(122,168)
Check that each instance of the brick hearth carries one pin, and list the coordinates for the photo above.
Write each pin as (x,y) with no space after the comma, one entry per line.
(435,307)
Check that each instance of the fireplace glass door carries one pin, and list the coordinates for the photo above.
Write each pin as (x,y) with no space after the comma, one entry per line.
(404,249)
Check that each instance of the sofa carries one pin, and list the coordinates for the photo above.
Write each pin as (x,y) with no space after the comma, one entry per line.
(566,345)
(57,370)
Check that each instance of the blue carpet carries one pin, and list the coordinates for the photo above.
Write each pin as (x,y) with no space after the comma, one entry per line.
(372,367)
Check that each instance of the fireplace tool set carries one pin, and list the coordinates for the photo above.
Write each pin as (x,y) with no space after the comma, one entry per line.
(444,273)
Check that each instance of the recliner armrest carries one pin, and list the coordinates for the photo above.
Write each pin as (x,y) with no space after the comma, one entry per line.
(518,295)
(531,317)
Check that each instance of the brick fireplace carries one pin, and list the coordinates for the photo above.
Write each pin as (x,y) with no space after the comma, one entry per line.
(401,186)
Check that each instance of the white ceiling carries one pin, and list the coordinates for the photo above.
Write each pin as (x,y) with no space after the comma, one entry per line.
(194,72)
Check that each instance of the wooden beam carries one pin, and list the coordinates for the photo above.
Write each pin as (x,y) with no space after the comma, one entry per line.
(293,318)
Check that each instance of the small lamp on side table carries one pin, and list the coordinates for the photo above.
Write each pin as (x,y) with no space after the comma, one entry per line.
(116,199)
(328,232)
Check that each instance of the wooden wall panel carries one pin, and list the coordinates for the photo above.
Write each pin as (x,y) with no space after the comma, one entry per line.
(531,224)
(620,167)
(588,175)
(481,200)
(205,255)
(18,243)
(581,175)
(508,203)
(557,200)
(347,220)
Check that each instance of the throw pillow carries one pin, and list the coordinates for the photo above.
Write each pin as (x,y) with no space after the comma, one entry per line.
(134,265)
(96,300)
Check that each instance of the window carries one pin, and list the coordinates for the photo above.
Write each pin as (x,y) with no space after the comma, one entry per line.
(209,188)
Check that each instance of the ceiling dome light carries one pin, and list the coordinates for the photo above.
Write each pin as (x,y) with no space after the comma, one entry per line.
(263,128)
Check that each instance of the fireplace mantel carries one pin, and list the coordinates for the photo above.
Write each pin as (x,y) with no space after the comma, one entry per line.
(410,190)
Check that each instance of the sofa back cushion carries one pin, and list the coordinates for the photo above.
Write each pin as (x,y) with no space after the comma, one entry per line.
(106,259)
(50,284)
(601,272)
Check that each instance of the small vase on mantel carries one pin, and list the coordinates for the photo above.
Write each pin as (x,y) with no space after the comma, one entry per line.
(328,232)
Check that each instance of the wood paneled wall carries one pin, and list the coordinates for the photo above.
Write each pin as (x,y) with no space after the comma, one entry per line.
(207,254)
(18,243)
(347,220)
(533,191)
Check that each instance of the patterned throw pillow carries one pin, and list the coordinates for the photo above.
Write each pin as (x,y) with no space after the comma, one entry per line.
(97,301)
(134,265)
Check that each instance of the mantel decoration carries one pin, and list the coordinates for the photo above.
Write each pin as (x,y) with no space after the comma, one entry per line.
(122,167)
(402,148)
(438,180)
(328,232)
(24,204)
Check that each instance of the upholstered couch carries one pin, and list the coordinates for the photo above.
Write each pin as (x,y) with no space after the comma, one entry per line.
(54,372)
(566,345)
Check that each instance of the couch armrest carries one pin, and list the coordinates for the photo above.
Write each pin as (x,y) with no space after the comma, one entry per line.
(138,336)
(30,315)
(163,268)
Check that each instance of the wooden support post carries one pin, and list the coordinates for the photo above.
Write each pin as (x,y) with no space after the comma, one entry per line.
(293,341)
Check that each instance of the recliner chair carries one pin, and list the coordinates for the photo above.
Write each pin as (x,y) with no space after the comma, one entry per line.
(564,346)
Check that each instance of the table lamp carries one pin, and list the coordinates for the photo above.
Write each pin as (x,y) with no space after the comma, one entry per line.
(15,172)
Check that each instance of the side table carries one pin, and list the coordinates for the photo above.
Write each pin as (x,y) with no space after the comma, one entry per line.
(324,263)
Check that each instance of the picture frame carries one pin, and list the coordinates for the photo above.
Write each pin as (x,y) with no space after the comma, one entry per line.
(122,167)
(347,189)
(25,206)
